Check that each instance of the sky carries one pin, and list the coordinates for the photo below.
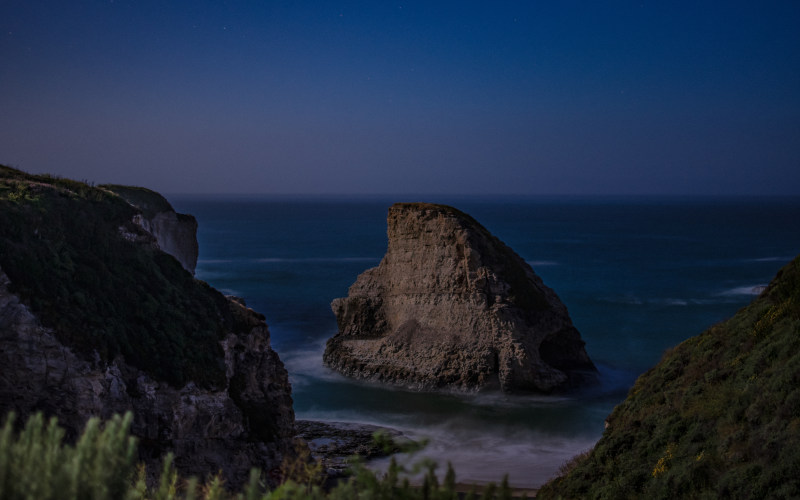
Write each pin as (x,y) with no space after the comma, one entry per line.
(378,97)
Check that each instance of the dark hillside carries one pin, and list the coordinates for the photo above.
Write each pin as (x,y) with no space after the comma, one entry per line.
(75,257)
(718,417)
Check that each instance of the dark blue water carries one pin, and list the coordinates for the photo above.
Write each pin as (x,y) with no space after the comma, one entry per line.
(638,276)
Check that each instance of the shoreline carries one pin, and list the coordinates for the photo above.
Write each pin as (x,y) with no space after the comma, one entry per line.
(336,443)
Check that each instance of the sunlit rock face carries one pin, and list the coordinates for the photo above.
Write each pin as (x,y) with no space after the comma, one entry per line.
(452,307)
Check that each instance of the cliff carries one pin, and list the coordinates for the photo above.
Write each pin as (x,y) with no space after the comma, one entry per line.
(451,306)
(176,234)
(717,417)
(96,319)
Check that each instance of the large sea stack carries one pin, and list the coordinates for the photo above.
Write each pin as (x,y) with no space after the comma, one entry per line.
(452,307)
(96,318)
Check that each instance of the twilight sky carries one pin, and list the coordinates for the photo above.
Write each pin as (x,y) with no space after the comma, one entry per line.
(533,97)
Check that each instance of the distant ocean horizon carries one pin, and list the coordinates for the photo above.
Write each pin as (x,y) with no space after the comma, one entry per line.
(638,274)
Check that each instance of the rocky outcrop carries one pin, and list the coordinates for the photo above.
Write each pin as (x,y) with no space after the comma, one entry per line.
(248,423)
(451,306)
(96,319)
(336,444)
(175,234)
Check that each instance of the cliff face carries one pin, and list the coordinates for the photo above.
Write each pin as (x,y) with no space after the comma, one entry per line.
(451,306)
(175,234)
(95,319)
(717,417)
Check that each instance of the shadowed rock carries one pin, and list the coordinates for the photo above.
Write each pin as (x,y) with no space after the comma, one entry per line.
(451,306)
(96,319)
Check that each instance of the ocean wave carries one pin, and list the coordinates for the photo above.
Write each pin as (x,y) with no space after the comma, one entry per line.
(771,259)
(306,364)
(743,290)
(482,456)
(658,301)
(300,260)
(728,296)
(497,399)
(288,260)
(542,263)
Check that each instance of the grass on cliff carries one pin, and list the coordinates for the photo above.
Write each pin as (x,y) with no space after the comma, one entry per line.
(36,463)
(718,417)
(62,248)
(149,202)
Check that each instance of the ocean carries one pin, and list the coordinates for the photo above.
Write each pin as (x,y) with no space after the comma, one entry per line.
(638,276)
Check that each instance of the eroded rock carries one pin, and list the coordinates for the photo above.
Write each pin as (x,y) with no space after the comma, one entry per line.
(452,307)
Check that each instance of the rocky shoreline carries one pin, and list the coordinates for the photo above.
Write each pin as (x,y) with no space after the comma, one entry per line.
(335,444)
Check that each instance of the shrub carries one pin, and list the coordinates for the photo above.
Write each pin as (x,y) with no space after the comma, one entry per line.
(36,463)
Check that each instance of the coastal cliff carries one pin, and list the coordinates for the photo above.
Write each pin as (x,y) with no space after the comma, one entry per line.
(96,319)
(451,306)
(717,417)
(176,234)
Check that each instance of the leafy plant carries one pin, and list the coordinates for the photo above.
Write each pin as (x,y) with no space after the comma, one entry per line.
(36,463)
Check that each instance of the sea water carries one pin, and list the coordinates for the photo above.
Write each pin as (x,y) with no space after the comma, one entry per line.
(637,275)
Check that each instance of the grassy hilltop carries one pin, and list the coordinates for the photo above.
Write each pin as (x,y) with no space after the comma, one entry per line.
(718,417)
(63,248)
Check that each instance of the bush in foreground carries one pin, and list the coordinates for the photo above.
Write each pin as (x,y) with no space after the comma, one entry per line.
(36,463)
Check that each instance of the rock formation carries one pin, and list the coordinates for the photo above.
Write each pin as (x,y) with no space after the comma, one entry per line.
(451,306)
(175,234)
(96,320)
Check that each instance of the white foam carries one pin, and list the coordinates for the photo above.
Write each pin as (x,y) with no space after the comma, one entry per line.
(481,456)
(303,364)
(542,263)
(300,260)
(773,259)
(744,290)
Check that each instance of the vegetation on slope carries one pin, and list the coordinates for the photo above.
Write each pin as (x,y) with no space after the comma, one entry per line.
(718,417)
(61,244)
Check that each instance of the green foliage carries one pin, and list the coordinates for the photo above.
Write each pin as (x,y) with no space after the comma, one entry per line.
(35,463)
(719,416)
(61,245)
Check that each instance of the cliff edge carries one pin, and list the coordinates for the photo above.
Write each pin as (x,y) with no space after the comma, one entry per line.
(451,306)
(96,319)
(176,234)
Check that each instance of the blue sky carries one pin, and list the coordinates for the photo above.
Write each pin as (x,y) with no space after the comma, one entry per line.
(523,98)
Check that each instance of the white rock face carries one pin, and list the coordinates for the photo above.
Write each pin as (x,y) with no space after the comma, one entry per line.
(176,234)
(451,306)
